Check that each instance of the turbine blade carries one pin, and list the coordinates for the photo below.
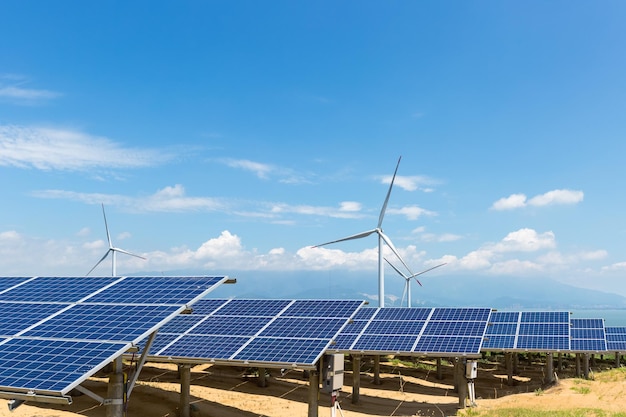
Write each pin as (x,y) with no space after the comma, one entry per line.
(357,236)
(127,253)
(382,211)
(394,250)
(396,269)
(99,262)
(423,272)
(106,226)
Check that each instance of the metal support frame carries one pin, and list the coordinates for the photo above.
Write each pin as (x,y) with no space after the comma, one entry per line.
(140,364)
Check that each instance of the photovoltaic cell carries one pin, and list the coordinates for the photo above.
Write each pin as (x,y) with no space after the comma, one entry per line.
(302,327)
(404,314)
(396,327)
(365,313)
(207,306)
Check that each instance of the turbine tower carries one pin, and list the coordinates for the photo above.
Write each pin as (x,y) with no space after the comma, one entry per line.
(408,278)
(382,238)
(112,250)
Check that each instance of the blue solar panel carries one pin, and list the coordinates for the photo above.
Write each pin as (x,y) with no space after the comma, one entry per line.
(499,342)
(417,330)
(545,317)
(448,344)
(288,351)
(505,317)
(230,326)
(17,317)
(156,290)
(365,313)
(105,322)
(253,308)
(207,306)
(545,329)
(206,347)
(616,339)
(461,314)
(301,327)
(587,335)
(322,308)
(502,329)
(543,343)
(397,327)
(60,337)
(404,314)
(8,282)
(385,343)
(51,365)
(462,328)
(56,289)
(181,323)
(240,330)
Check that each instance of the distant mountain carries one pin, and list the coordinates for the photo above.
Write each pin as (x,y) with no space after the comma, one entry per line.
(451,291)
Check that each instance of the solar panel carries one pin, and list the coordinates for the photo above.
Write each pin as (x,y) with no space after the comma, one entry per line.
(268,332)
(587,335)
(56,336)
(616,338)
(541,331)
(427,331)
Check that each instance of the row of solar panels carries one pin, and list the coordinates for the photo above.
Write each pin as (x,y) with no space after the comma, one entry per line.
(257,332)
(58,331)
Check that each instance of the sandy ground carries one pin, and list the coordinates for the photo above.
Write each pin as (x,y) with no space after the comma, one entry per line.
(218,391)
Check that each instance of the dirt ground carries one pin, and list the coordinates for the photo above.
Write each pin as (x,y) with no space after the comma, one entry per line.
(219,391)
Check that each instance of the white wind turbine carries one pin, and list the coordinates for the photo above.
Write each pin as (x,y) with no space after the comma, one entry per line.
(382,238)
(112,250)
(408,278)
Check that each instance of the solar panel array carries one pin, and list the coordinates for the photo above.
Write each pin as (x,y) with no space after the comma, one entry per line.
(272,333)
(425,331)
(616,339)
(57,331)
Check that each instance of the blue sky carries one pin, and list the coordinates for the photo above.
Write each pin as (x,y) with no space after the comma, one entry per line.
(230,136)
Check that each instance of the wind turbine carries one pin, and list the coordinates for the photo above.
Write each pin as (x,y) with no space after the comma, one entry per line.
(408,278)
(382,238)
(112,250)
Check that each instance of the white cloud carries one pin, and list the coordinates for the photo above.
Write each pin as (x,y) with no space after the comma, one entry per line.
(410,183)
(557,197)
(261,170)
(167,199)
(411,212)
(525,240)
(65,149)
(511,202)
(346,210)
(515,201)
(11,89)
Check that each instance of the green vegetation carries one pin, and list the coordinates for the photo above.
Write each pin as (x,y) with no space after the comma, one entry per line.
(514,412)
